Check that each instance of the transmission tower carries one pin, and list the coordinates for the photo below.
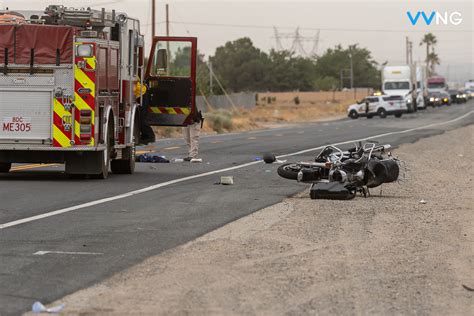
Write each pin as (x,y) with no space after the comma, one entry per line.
(297,45)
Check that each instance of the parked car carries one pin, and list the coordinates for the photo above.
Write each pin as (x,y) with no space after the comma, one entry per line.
(378,105)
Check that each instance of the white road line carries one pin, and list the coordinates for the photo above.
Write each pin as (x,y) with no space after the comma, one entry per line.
(168,183)
(45,252)
(380,135)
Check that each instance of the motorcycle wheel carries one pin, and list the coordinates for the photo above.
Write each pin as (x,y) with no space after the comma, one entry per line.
(292,170)
(289,170)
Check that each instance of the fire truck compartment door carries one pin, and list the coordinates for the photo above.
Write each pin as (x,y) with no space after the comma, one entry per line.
(25,116)
(171,79)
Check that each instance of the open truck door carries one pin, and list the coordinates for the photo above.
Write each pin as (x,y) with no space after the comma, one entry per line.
(171,79)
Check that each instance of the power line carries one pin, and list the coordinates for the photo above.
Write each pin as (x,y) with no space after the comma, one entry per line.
(297,43)
(319,28)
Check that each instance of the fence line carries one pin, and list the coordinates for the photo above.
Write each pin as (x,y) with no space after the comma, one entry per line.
(249,100)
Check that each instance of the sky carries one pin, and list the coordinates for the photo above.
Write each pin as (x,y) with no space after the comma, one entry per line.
(379,25)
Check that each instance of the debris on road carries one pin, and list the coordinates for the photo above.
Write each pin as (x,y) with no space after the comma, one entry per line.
(151,158)
(422,202)
(269,157)
(38,307)
(177,160)
(226,180)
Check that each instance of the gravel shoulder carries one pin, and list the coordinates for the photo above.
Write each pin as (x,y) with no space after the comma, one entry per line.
(387,254)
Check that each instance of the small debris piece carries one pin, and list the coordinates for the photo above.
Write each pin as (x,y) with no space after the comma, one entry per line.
(227,180)
(422,202)
(38,307)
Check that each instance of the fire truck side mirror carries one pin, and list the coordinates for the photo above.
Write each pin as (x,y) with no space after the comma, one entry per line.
(162,59)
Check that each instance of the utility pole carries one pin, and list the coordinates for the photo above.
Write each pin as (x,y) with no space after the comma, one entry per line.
(153,22)
(167,21)
(407,55)
(411,52)
(341,73)
(211,77)
(352,71)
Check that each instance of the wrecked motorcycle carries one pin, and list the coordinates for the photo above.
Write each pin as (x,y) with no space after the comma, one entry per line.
(338,174)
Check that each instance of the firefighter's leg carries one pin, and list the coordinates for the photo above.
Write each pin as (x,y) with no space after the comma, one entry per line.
(187,138)
(147,135)
(194,131)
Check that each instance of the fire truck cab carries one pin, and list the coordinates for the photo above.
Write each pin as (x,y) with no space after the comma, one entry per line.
(68,88)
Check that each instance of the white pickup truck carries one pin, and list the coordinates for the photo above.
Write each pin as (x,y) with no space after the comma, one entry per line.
(378,105)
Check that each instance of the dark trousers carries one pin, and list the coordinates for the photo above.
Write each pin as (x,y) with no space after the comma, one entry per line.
(146,132)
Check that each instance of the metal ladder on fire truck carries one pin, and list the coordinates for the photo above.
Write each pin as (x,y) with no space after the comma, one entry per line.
(61,15)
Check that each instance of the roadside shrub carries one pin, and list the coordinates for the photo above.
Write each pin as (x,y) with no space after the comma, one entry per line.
(219,120)
(296,100)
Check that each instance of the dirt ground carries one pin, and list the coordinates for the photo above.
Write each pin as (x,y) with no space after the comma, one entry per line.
(387,254)
(275,109)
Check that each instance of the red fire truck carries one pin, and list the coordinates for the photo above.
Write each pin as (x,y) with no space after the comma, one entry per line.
(67,80)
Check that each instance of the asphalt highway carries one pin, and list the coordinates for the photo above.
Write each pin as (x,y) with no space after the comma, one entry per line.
(58,235)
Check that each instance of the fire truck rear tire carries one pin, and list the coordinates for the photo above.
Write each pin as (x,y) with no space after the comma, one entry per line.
(104,156)
(5,166)
(127,164)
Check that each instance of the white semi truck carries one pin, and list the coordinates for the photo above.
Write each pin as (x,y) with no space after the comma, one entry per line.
(401,80)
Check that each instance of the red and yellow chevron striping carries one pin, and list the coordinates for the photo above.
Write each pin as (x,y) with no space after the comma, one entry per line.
(170,110)
(84,93)
(61,118)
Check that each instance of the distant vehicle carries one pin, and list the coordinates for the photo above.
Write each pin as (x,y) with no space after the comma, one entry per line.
(469,85)
(445,98)
(434,99)
(469,93)
(401,80)
(438,98)
(457,96)
(437,84)
(378,105)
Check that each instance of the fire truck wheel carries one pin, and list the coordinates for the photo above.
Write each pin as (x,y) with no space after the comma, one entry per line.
(104,156)
(127,164)
(5,166)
